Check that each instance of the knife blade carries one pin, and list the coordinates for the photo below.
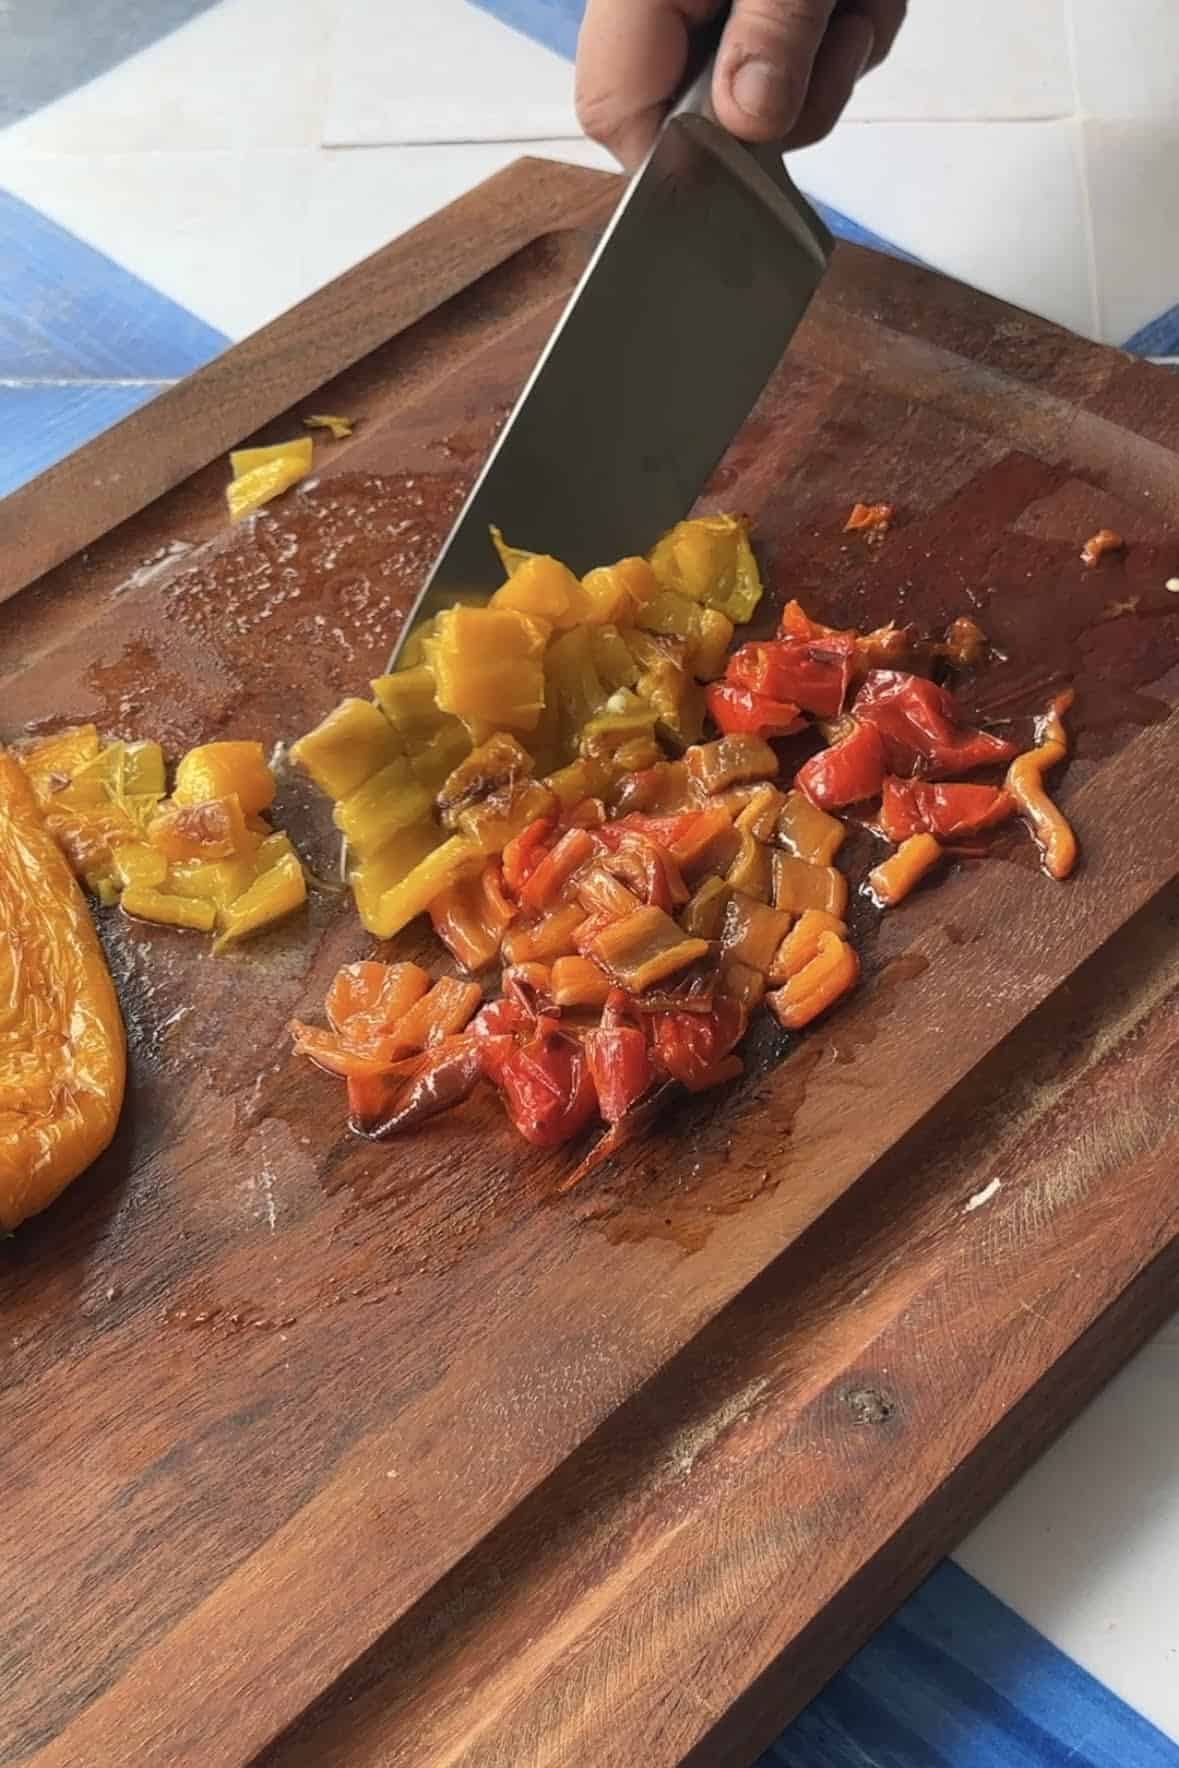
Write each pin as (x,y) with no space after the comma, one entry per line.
(684,311)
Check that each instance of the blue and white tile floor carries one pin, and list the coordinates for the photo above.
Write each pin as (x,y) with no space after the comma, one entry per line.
(173,173)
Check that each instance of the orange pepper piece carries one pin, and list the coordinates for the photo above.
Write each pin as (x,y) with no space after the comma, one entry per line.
(1025,781)
(62,1045)
(892,880)
(831,972)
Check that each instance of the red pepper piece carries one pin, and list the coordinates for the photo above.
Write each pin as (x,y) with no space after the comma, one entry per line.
(619,1061)
(740,711)
(918,723)
(921,807)
(845,773)
(524,853)
(421,1088)
(691,1046)
(547,1088)
(814,674)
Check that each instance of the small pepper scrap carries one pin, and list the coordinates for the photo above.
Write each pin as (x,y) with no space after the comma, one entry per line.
(1106,540)
(62,1045)
(1025,783)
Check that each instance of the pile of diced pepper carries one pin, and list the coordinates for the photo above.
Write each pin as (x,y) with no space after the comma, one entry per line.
(538,779)
(204,858)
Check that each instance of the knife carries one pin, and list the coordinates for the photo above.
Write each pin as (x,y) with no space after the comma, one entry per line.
(695,289)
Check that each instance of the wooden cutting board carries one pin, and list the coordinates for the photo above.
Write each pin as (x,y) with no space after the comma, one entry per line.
(346,1453)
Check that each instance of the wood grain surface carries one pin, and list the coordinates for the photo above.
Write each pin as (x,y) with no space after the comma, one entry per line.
(268,1387)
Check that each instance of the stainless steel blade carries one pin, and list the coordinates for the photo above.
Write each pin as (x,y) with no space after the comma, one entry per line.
(692,295)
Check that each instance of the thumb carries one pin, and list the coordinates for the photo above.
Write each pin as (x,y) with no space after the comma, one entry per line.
(764,65)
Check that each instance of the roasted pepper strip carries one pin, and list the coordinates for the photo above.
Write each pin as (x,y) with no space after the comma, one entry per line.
(890,882)
(1025,782)
(831,972)
(62,1046)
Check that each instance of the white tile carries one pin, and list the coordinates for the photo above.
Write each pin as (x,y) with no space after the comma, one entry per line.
(456,74)
(1133,171)
(1127,57)
(1086,1547)
(975,58)
(998,205)
(238,239)
(246,74)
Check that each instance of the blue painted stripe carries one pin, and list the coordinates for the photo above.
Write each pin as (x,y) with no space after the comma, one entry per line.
(1159,338)
(68,311)
(957,1680)
(50,47)
(41,423)
(554,23)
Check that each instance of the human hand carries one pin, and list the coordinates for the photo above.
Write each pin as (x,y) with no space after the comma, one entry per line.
(784,71)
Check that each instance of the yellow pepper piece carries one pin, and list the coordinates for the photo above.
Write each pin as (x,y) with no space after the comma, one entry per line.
(377,875)
(222,770)
(62,1047)
(121,771)
(137,863)
(354,742)
(261,473)
(613,659)
(449,864)
(709,559)
(218,881)
(706,632)
(52,761)
(408,700)
(391,800)
(617,592)
(489,825)
(624,719)
(339,426)
(510,557)
(212,830)
(145,904)
(248,460)
(278,891)
(488,666)
(447,749)
(589,777)
(547,590)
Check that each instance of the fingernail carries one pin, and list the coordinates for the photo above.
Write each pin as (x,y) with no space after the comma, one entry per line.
(757,90)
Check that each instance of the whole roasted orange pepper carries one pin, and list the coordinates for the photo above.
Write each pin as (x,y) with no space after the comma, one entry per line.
(62,1046)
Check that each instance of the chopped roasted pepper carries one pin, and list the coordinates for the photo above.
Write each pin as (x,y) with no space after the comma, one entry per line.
(918,726)
(472,916)
(223,770)
(169,910)
(800,885)
(915,807)
(801,945)
(353,743)
(709,559)
(488,666)
(386,803)
(811,674)
(261,473)
(805,830)
(275,893)
(619,1063)
(736,709)
(892,880)
(1025,782)
(396,906)
(832,971)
